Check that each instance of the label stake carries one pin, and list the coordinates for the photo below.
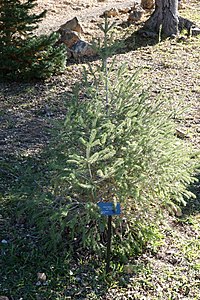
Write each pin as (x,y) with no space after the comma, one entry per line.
(109,209)
(109,244)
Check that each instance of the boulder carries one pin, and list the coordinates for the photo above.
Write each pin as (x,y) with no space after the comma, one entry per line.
(73,25)
(69,38)
(82,48)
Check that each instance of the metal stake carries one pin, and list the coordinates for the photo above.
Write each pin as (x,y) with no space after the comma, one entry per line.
(109,244)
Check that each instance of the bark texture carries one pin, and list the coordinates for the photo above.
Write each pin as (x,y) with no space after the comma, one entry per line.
(164,19)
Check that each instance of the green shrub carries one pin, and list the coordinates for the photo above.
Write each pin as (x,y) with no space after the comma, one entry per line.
(117,145)
(24,56)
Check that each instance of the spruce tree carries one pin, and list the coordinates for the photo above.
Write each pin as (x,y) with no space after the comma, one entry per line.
(23,55)
(117,145)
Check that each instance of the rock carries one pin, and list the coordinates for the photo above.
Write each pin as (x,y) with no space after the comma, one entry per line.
(181,4)
(125,10)
(4,298)
(42,277)
(77,8)
(195,31)
(69,38)
(82,48)
(181,39)
(113,12)
(73,25)
(86,5)
(181,134)
(147,4)
(4,242)
(70,32)
(136,14)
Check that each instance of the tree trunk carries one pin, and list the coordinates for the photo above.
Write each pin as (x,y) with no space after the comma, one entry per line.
(164,19)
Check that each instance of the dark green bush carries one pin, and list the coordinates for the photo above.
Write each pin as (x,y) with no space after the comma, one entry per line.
(24,56)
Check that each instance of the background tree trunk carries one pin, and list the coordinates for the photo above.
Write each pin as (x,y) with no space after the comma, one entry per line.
(164,19)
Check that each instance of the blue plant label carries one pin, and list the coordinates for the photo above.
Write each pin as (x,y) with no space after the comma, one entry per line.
(109,209)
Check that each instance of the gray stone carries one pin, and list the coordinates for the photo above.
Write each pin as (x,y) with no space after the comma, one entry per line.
(41,277)
(82,48)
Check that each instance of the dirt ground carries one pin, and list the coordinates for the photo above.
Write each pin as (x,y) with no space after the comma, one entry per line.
(60,11)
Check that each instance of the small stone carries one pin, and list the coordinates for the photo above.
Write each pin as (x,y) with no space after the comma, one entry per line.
(181,134)
(135,15)
(182,39)
(76,8)
(147,4)
(4,242)
(125,10)
(195,31)
(181,4)
(41,277)
(113,12)
(86,5)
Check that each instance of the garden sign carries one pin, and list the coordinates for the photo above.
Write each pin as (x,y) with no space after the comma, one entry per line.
(109,209)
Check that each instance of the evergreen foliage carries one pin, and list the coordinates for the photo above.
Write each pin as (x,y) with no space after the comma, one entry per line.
(24,56)
(117,145)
